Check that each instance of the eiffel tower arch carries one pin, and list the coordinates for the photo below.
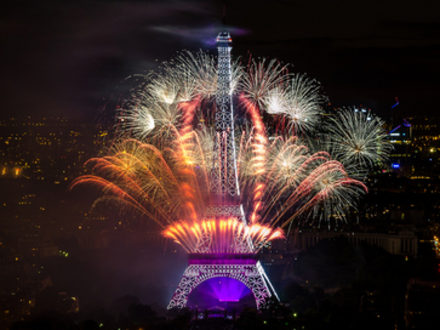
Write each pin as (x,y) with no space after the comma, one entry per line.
(241,267)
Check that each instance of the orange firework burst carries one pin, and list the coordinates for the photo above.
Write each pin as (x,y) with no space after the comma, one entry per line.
(221,235)
(162,185)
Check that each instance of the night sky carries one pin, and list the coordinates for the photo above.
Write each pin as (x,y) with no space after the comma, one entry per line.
(72,57)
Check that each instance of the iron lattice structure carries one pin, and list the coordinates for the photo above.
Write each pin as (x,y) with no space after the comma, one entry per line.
(225,203)
(251,275)
(224,174)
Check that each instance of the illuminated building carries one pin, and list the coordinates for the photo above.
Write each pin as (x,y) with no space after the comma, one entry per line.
(404,243)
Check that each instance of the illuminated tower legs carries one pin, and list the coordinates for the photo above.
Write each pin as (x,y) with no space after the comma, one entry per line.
(251,275)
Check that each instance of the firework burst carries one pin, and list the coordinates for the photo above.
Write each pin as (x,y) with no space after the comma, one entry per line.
(297,182)
(356,138)
(261,78)
(158,101)
(301,102)
(165,173)
(162,185)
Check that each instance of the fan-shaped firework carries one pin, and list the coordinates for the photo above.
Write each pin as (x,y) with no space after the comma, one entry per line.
(156,103)
(300,101)
(297,182)
(160,185)
(165,174)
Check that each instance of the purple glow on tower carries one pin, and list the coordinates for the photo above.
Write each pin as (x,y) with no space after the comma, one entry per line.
(227,289)
(222,259)
(221,293)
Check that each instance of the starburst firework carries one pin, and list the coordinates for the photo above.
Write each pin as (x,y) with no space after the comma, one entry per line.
(357,138)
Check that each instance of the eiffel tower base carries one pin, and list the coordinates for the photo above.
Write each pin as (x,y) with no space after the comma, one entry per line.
(244,268)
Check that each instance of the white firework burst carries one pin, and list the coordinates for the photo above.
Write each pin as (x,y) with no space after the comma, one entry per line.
(300,101)
(261,78)
(357,138)
(200,70)
(139,121)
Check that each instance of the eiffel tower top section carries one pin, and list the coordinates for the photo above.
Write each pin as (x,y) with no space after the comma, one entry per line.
(224,39)
(224,114)
(224,187)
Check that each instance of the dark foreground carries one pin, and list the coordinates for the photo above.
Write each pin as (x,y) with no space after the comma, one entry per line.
(276,316)
(332,286)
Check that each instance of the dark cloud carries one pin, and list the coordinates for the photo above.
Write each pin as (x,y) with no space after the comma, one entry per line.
(206,35)
(68,57)
(65,57)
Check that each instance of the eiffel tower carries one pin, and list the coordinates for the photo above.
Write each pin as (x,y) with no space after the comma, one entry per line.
(242,265)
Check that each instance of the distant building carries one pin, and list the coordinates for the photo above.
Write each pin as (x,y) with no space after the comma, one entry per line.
(416,151)
(404,243)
